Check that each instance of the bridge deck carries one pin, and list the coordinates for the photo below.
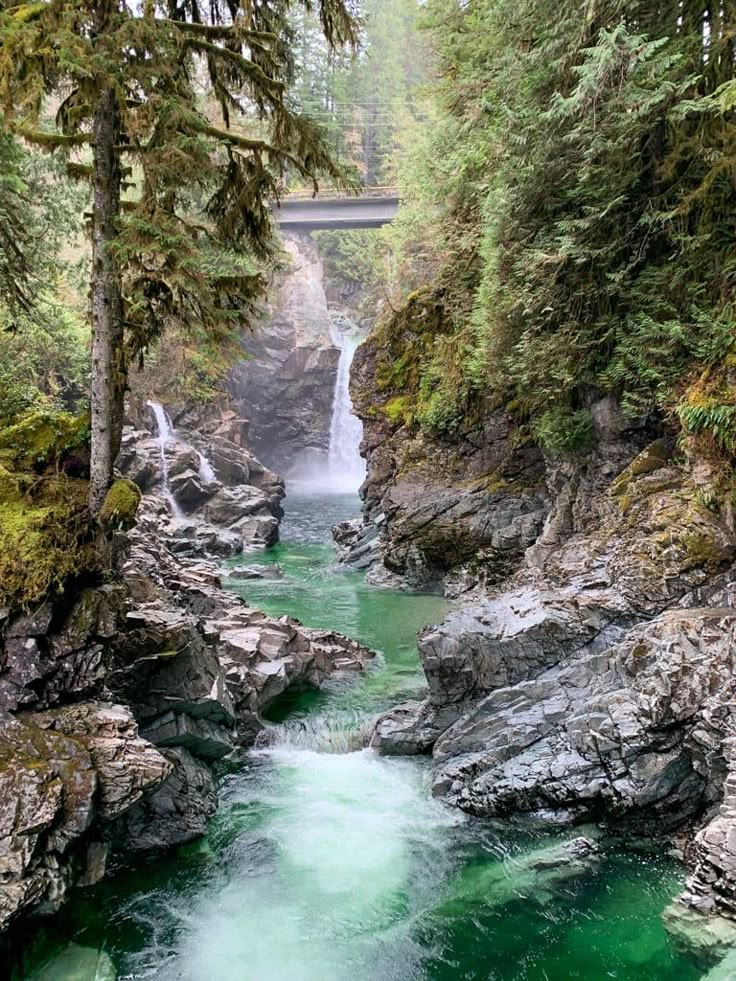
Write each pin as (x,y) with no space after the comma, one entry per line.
(349,212)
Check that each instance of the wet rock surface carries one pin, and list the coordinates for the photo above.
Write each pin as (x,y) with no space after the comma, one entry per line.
(597,682)
(457,510)
(633,733)
(226,499)
(286,386)
(117,703)
(64,776)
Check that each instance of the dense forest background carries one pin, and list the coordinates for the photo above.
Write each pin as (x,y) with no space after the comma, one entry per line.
(568,200)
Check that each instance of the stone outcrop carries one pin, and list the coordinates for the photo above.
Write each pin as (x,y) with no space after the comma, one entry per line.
(597,682)
(227,499)
(65,775)
(459,510)
(633,733)
(285,386)
(644,545)
(117,702)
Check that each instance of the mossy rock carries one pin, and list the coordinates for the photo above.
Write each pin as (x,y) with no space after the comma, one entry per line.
(398,410)
(46,536)
(41,438)
(653,457)
(120,507)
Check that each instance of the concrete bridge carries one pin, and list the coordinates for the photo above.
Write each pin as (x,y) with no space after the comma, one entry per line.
(373,208)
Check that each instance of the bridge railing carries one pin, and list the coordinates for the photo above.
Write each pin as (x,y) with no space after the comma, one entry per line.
(333,193)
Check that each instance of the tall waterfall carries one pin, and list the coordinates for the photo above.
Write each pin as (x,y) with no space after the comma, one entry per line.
(345,465)
(165,432)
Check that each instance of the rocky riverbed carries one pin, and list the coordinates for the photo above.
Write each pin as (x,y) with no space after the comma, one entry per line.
(117,702)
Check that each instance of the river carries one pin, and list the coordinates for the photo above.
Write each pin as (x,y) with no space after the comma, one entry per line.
(329,863)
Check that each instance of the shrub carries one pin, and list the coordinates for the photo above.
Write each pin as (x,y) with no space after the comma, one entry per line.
(564,430)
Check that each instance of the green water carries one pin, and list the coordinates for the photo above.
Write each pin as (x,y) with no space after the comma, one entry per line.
(339,866)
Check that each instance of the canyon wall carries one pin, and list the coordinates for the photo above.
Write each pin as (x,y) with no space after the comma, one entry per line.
(589,672)
(286,385)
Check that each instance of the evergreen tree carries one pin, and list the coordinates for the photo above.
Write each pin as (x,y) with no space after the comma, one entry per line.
(578,196)
(180,203)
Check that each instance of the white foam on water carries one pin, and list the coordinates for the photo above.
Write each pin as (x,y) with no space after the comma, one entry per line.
(206,471)
(349,851)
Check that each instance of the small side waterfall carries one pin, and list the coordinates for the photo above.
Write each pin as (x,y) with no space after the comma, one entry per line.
(165,432)
(206,473)
(345,465)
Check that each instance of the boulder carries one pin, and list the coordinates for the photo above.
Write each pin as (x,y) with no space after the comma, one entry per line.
(346,535)
(190,491)
(231,504)
(203,738)
(249,572)
(178,811)
(631,734)
(403,731)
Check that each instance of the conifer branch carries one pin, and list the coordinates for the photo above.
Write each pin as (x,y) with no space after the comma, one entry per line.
(54,141)
(244,65)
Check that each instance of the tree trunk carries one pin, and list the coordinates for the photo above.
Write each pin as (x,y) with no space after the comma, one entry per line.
(108,355)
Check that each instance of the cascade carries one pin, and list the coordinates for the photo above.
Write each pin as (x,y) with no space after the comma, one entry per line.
(206,472)
(165,432)
(346,467)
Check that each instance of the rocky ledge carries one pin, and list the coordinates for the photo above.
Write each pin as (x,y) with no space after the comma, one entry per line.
(598,683)
(225,500)
(116,703)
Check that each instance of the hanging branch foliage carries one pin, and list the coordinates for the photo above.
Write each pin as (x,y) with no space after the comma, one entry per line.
(181,250)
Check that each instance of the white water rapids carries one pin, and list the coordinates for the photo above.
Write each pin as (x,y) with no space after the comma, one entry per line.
(347,852)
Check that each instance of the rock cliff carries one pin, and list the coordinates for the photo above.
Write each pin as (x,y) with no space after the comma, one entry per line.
(590,673)
(458,508)
(596,682)
(285,386)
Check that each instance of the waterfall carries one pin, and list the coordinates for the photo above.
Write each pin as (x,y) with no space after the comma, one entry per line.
(165,432)
(345,465)
(206,473)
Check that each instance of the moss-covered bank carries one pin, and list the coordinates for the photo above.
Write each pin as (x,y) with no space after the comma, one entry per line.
(45,532)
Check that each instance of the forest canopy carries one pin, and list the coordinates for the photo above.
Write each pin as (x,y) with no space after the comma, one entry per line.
(573,206)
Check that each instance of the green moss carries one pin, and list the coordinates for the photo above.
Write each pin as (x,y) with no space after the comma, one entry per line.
(398,409)
(120,506)
(640,649)
(703,549)
(653,457)
(417,358)
(41,438)
(45,536)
